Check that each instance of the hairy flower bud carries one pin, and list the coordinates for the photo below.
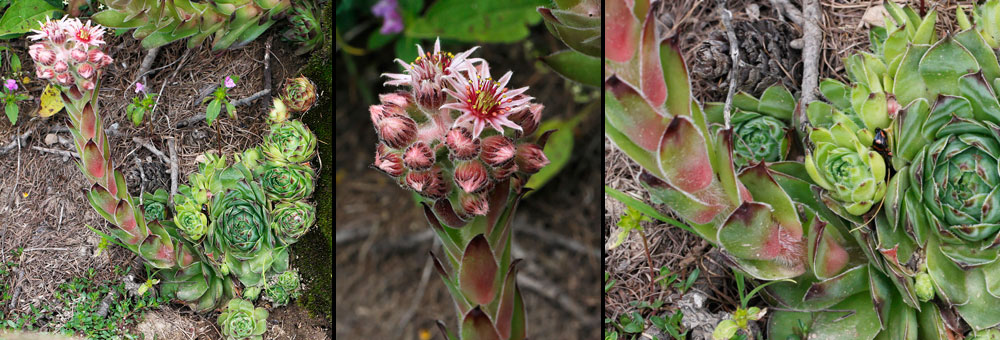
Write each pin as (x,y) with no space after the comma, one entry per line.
(474,204)
(89,85)
(418,156)
(395,130)
(429,183)
(892,107)
(389,162)
(85,70)
(497,150)
(60,67)
(472,176)
(399,100)
(106,60)
(42,55)
(45,73)
(95,56)
(528,118)
(439,186)
(429,95)
(419,181)
(78,55)
(64,79)
(530,158)
(504,171)
(461,144)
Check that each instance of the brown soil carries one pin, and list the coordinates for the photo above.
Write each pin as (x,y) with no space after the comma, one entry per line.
(379,262)
(43,209)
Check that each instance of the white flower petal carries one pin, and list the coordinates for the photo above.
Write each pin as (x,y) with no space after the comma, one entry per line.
(503,80)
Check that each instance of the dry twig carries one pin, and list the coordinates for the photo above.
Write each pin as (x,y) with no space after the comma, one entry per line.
(734,54)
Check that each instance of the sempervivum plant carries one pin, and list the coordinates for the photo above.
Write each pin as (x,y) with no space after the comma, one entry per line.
(767,218)
(230,23)
(459,138)
(215,241)
(760,126)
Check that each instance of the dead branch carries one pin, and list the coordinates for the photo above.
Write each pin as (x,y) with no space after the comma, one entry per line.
(57,152)
(734,54)
(810,52)
(145,143)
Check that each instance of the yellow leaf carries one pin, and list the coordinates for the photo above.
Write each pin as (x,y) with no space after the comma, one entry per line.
(51,101)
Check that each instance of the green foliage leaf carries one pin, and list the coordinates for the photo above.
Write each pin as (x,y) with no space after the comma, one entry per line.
(575,66)
(482,21)
(24,15)
(630,221)
(558,149)
(213,111)
(406,49)
(11,110)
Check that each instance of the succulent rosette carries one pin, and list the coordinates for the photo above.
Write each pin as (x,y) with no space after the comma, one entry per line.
(290,142)
(240,320)
(241,238)
(290,221)
(155,205)
(299,94)
(303,28)
(191,221)
(286,182)
(760,126)
(196,281)
(282,288)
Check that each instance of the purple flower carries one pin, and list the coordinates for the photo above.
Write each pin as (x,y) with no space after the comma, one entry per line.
(389,11)
(10,84)
(139,87)
(230,83)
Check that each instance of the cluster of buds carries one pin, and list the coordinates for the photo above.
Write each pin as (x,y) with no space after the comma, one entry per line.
(68,52)
(456,132)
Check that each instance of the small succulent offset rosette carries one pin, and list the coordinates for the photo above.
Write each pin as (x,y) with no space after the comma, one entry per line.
(458,138)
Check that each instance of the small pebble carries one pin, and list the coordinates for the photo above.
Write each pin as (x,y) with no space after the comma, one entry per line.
(51,139)
(797,44)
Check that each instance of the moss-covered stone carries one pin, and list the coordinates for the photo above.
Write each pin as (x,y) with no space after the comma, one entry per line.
(314,252)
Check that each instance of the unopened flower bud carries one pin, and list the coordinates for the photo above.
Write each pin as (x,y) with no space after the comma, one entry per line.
(279,113)
(474,204)
(429,95)
(419,181)
(44,73)
(64,79)
(461,144)
(439,186)
(505,170)
(85,70)
(923,287)
(60,67)
(528,118)
(497,150)
(95,56)
(78,55)
(389,162)
(530,158)
(88,85)
(418,156)
(396,99)
(105,61)
(58,36)
(472,176)
(396,131)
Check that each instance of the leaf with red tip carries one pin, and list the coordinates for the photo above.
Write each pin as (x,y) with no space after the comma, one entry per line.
(460,301)
(650,70)
(477,326)
(505,312)
(498,202)
(477,272)
(450,243)
(89,122)
(683,157)
(760,245)
(629,113)
(621,28)
(675,76)
(444,211)
(157,249)
(125,220)
(704,208)
(103,201)
(93,161)
(826,249)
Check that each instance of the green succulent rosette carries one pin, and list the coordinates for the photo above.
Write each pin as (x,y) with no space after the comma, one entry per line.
(286,182)
(291,220)
(241,234)
(851,172)
(155,205)
(290,142)
(760,126)
(241,320)
(282,288)
(196,282)
(192,223)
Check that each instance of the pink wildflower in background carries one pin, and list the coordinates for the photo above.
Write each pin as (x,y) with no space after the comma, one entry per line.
(10,84)
(139,87)
(389,11)
(230,83)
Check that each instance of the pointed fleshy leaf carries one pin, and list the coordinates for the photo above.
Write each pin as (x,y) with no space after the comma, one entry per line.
(456,294)
(943,65)
(446,213)
(675,76)
(103,201)
(125,220)
(854,318)
(621,28)
(575,66)
(683,156)
(450,246)
(777,102)
(629,113)
(762,247)
(700,209)
(908,84)
(984,102)
(477,272)
(650,71)
(505,312)
(476,325)
(93,161)
(444,331)
(984,55)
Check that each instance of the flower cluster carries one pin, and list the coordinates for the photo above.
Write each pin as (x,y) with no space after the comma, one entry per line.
(456,132)
(68,51)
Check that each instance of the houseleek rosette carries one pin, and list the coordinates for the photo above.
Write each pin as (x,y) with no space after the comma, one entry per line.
(155,205)
(196,281)
(299,94)
(191,221)
(850,172)
(286,182)
(290,221)
(241,235)
(282,288)
(289,142)
(760,126)
(240,320)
